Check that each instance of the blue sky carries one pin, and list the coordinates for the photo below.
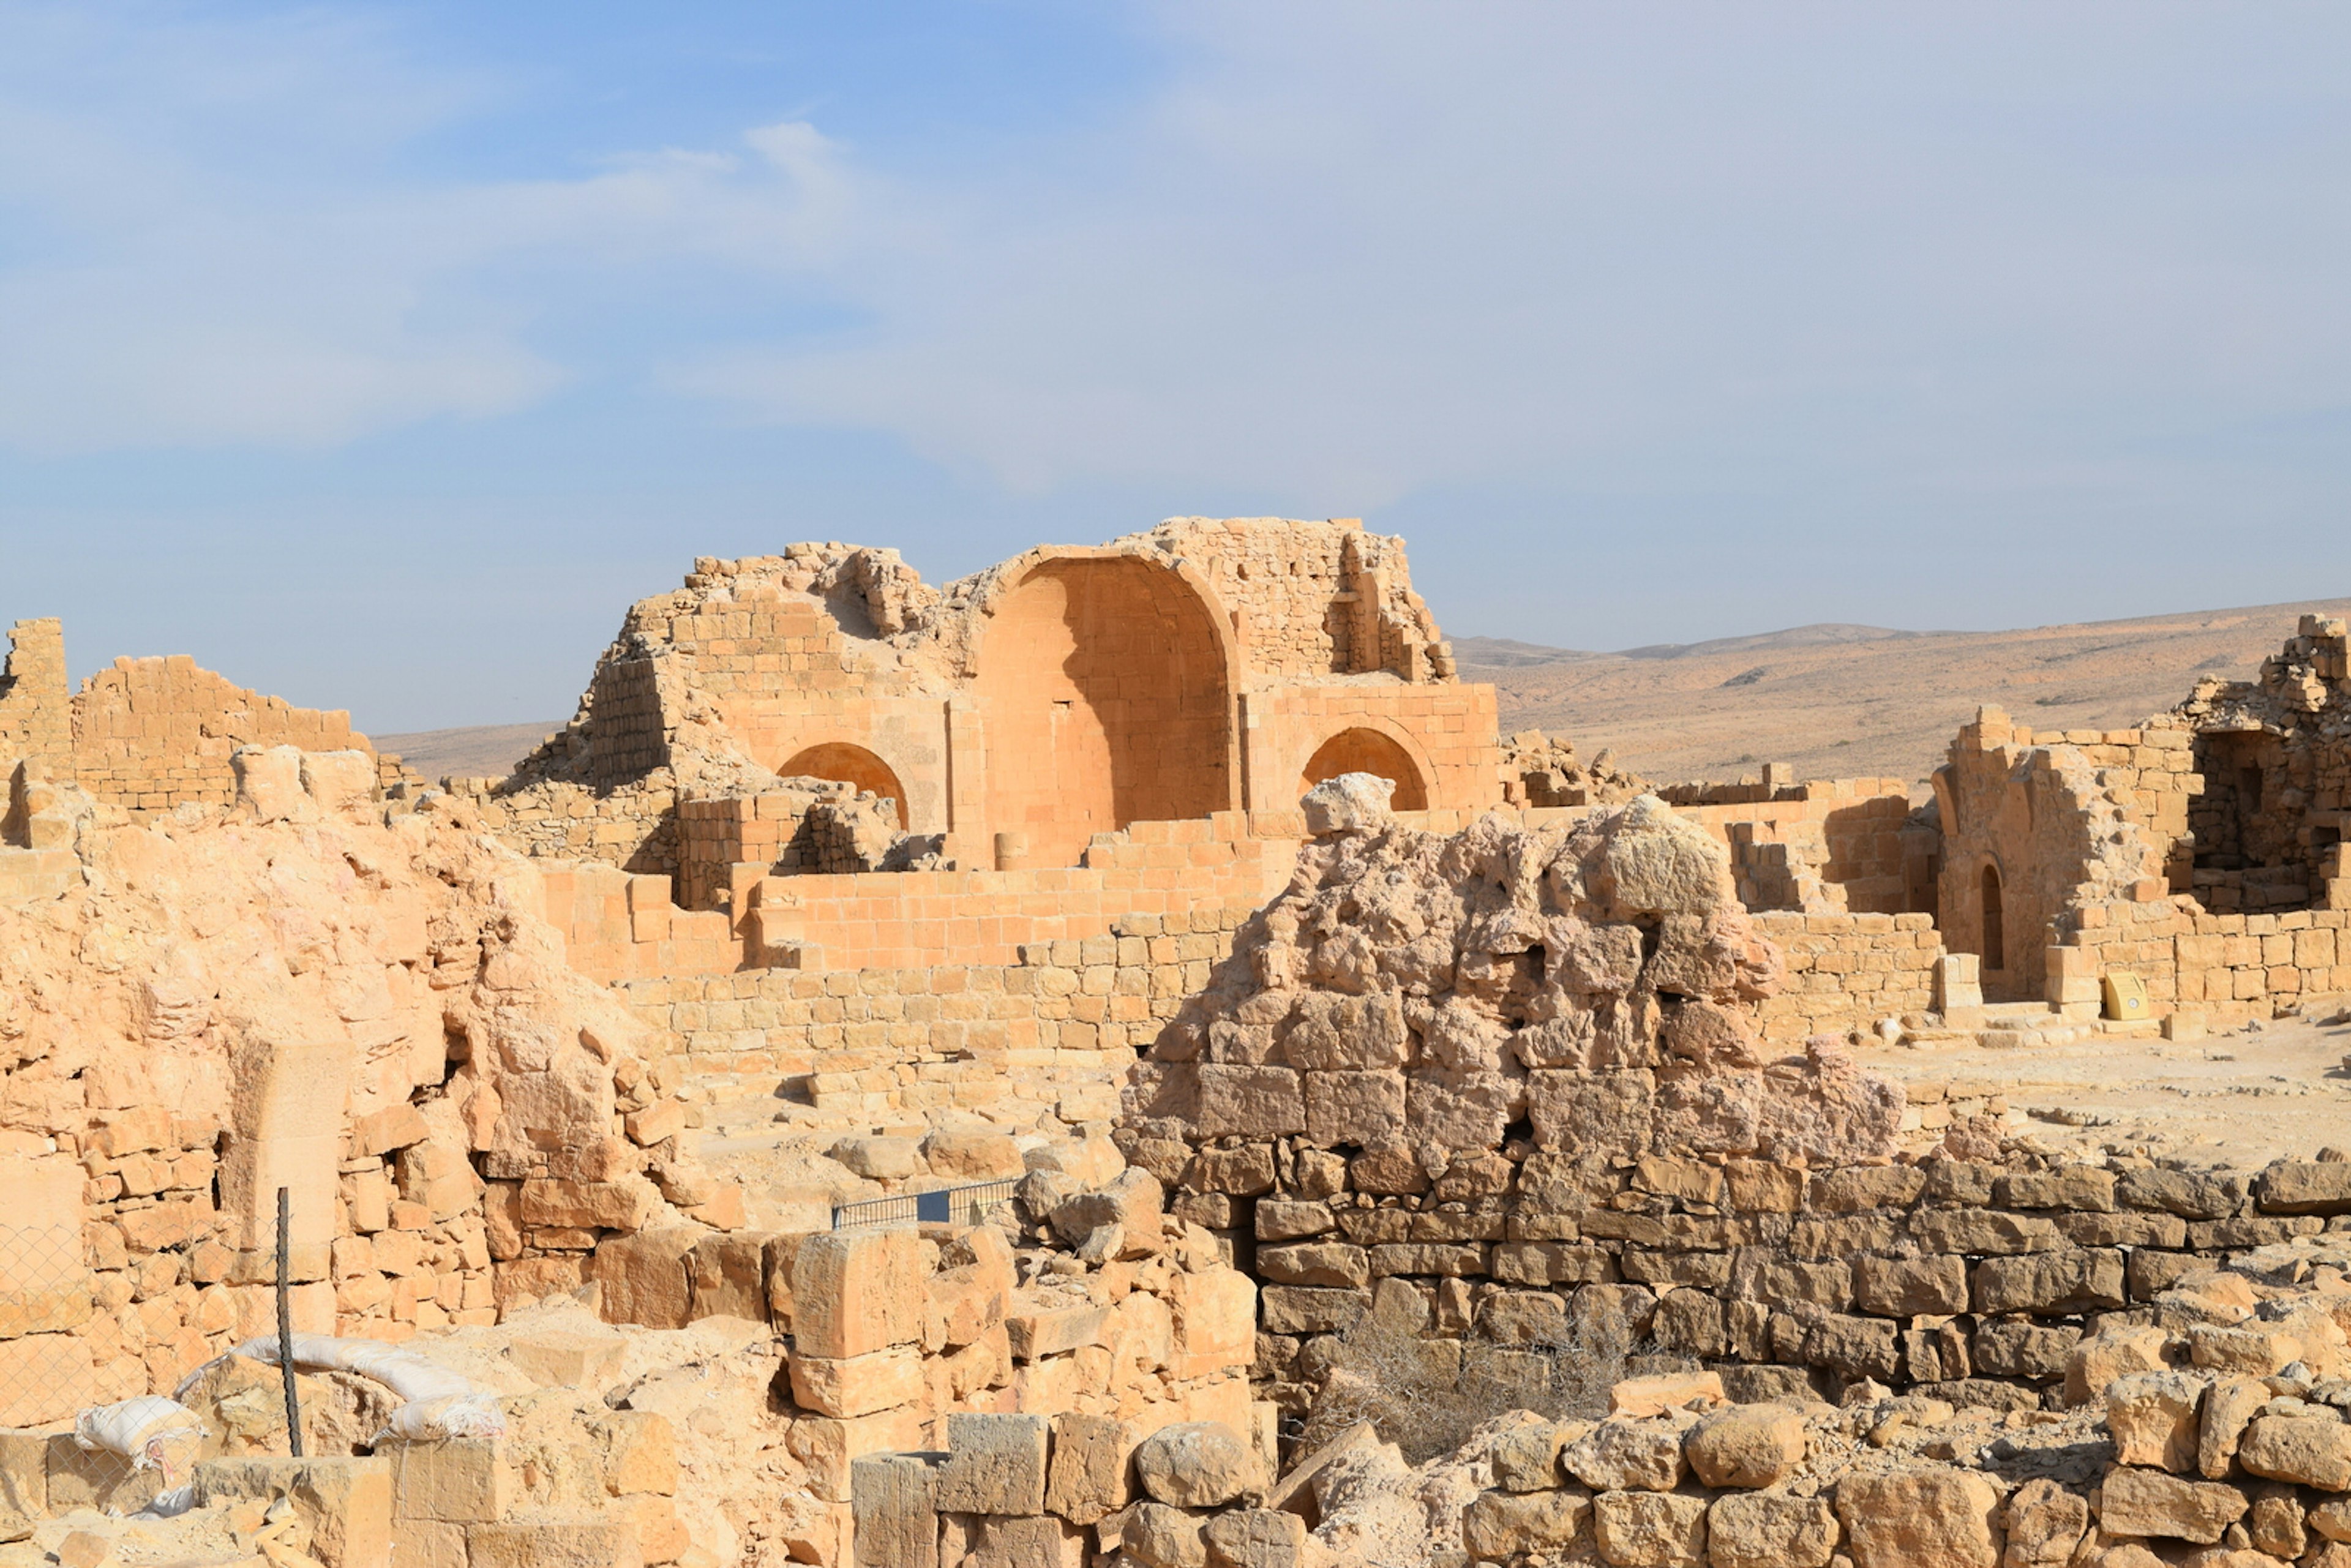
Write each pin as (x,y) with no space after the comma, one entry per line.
(378,356)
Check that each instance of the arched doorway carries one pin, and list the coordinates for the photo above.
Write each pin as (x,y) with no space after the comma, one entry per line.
(1368,751)
(1994,937)
(1102,690)
(847,764)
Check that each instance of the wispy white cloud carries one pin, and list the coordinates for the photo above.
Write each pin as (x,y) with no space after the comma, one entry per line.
(207,235)
(1343,249)
(1369,248)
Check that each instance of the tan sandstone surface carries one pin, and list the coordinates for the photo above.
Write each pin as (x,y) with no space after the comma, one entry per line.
(766,1149)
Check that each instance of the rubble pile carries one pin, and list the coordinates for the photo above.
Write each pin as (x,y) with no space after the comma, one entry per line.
(1541,769)
(308,991)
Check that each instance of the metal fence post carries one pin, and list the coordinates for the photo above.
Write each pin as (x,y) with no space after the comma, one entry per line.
(285,1323)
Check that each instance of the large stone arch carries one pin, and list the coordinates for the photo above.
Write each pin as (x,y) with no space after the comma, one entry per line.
(1104,689)
(848,763)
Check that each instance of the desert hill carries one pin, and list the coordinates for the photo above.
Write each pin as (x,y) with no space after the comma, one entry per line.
(1840,700)
(480,751)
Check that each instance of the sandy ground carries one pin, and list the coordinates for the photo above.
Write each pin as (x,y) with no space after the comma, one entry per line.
(2240,1099)
(1858,701)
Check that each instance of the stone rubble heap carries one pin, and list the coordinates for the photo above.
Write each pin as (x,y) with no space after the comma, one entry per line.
(1540,770)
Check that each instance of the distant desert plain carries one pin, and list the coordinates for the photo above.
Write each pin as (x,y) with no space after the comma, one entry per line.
(1833,701)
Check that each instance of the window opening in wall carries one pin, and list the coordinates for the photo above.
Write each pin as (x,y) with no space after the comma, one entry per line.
(1993,938)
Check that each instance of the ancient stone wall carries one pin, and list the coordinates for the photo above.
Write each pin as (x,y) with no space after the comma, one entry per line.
(1845,972)
(2038,829)
(2277,777)
(152,734)
(1312,598)
(36,712)
(1056,1028)
(303,992)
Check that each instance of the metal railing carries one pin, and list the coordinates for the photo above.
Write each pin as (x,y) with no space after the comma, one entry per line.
(967,1204)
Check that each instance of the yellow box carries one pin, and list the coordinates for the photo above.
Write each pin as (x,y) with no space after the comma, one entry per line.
(2126,997)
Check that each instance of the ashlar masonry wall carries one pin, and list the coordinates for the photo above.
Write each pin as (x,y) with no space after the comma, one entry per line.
(152,734)
(1058,1027)
(36,713)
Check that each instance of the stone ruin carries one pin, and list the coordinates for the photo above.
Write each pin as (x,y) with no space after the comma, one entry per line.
(1476,1160)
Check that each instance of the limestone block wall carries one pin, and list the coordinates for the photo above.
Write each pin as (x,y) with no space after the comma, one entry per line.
(152,734)
(897,1337)
(635,830)
(1312,597)
(35,711)
(2037,827)
(1825,845)
(2277,776)
(768,829)
(1847,971)
(1446,733)
(1965,1280)
(1058,1027)
(903,920)
(620,926)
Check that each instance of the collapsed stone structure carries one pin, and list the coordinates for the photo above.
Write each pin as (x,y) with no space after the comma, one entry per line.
(1455,1090)
(1205,667)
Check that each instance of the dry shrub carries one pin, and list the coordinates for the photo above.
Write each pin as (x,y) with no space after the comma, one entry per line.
(1427,1396)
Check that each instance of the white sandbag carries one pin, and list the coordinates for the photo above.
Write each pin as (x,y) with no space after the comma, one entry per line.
(151,1431)
(439,1403)
(170,1504)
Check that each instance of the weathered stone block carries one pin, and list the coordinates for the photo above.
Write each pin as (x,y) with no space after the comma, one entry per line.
(857,1384)
(2052,1283)
(1910,1286)
(458,1480)
(855,1292)
(891,1499)
(1091,1473)
(1770,1530)
(995,1464)
(1921,1518)
(1498,1526)
(2136,1502)
(1650,1528)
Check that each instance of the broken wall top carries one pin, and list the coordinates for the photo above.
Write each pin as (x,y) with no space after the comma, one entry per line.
(1302,602)
(1583,989)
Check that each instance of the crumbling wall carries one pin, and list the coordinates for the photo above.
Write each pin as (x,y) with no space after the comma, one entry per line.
(1828,846)
(1541,769)
(36,712)
(2276,767)
(1311,599)
(153,734)
(2177,1447)
(2040,829)
(1056,1029)
(314,991)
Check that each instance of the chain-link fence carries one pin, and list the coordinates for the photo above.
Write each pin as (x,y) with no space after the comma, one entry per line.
(62,1365)
(49,1370)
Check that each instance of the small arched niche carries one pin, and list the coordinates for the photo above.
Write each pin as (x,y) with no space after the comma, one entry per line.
(1368,751)
(854,765)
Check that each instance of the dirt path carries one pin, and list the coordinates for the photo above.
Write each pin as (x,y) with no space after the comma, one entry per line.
(2241,1099)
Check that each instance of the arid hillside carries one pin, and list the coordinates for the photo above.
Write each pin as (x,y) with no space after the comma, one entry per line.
(482,751)
(1840,701)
